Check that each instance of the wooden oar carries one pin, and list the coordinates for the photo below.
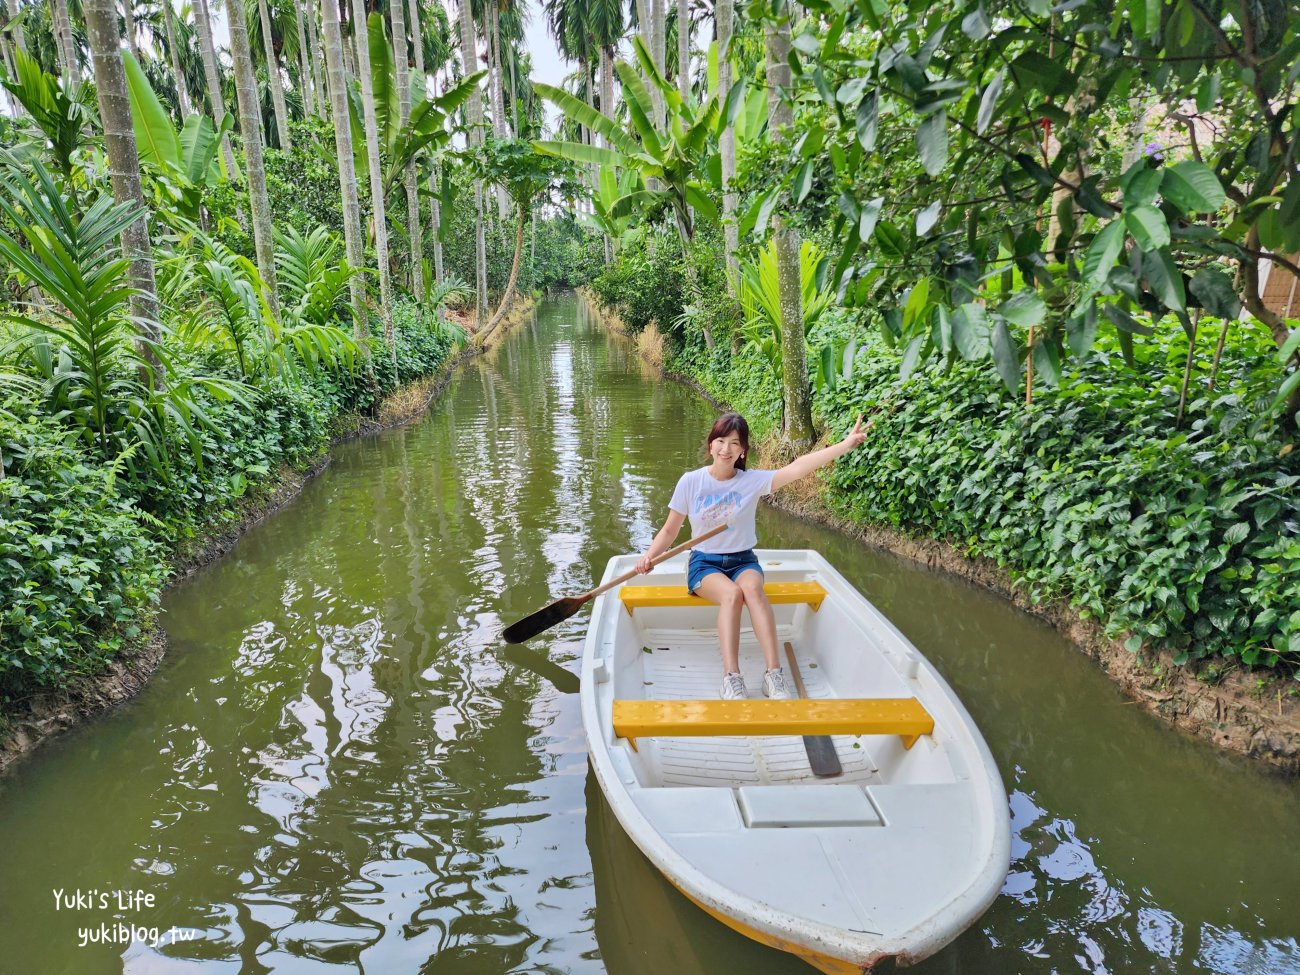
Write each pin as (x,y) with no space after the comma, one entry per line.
(822,758)
(562,609)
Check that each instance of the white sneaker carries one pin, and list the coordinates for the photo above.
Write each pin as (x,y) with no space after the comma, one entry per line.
(775,687)
(733,688)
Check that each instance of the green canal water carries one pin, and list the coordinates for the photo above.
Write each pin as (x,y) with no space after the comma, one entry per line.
(338,768)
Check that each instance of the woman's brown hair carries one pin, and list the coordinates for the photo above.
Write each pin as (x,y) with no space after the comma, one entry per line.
(726,425)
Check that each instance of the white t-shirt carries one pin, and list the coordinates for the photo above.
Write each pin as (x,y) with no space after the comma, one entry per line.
(709,502)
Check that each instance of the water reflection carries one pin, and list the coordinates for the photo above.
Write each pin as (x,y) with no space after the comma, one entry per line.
(339,764)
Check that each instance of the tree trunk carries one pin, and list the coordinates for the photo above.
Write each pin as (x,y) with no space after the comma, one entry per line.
(66,43)
(725,13)
(305,86)
(173,56)
(414,227)
(496,91)
(684,49)
(317,61)
(659,53)
(250,123)
(128,25)
(508,298)
(347,168)
(273,75)
(123,163)
(797,420)
(474,111)
(377,204)
(207,50)
(435,228)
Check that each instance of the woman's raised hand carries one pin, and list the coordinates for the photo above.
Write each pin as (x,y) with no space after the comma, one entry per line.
(858,434)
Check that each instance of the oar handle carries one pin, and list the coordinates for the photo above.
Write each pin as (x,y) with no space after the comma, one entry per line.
(689,543)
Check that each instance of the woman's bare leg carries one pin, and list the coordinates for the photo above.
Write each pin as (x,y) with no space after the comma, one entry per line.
(717,588)
(760,615)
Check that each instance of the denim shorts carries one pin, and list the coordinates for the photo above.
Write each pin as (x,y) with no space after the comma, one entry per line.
(730,564)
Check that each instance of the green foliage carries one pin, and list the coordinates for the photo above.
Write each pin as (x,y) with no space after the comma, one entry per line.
(78,571)
(924,156)
(645,282)
(1184,540)
(96,375)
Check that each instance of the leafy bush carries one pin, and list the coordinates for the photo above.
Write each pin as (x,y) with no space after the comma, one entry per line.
(645,282)
(78,571)
(1185,539)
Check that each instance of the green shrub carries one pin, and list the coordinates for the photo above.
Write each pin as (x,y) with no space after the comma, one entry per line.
(77,570)
(1186,539)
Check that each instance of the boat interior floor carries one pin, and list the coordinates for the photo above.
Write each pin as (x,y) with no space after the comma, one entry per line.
(686,665)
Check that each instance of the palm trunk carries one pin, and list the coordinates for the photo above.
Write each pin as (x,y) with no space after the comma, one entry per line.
(173,55)
(435,228)
(508,298)
(435,217)
(273,75)
(414,228)
(377,207)
(347,168)
(498,99)
(66,43)
(474,110)
(659,53)
(208,51)
(250,123)
(128,25)
(317,61)
(725,13)
(305,85)
(797,420)
(684,49)
(123,163)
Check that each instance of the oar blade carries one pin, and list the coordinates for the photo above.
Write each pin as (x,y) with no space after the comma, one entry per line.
(543,619)
(822,759)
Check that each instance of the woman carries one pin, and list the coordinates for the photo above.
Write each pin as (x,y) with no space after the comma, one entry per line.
(724,569)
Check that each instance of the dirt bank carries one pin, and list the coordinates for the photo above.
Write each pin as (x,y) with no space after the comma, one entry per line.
(46,715)
(1248,713)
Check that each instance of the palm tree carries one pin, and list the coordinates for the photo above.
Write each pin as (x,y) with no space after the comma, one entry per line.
(684,48)
(128,25)
(314,53)
(378,210)
(347,172)
(435,217)
(468,52)
(724,11)
(123,161)
(250,124)
(203,24)
(173,55)
(797,425)
(273,74)
(306,85)
(414,229)
(66,45)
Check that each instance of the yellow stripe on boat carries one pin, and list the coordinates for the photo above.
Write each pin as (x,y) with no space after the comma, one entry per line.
(639,597)
(904,716)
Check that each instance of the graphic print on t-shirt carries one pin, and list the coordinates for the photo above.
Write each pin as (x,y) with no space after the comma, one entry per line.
(715,509)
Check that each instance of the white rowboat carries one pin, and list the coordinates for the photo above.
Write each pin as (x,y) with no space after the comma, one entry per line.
(890,860)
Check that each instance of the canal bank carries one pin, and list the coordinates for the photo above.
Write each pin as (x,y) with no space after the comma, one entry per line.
(48,714)
(1226,706)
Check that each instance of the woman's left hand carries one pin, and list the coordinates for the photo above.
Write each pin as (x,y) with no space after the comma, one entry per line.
(858,434)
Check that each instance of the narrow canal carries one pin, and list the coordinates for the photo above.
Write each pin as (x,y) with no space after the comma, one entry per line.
(337,766)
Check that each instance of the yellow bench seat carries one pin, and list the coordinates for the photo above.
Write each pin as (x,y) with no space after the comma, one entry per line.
(905,717)
(638,597)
